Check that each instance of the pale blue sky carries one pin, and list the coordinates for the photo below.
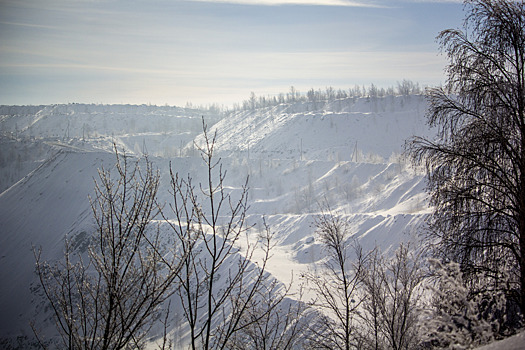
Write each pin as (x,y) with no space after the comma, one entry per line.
(160,51)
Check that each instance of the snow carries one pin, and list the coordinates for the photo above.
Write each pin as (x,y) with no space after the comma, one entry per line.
(39,211)
(347,129)
(516,342)
(298,157)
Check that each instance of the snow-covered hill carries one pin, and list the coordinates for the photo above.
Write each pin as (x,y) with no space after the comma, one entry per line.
(362,130)
(31,134)
(298,157)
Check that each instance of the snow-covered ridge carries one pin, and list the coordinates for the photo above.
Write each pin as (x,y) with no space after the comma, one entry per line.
(87,121)
(30,134)
(347,129)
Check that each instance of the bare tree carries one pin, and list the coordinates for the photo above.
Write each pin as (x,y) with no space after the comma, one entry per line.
(393,289)
(373,305)
(336,286)
(218,281)
(283,325)
(293,95)
(113,300)
(407,88)
(253,101)
(476,168)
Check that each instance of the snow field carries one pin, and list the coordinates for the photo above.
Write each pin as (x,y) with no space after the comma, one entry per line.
(297,158)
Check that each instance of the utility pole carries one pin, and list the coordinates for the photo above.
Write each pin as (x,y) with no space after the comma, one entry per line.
(144,150)
(301,158)
(355,152)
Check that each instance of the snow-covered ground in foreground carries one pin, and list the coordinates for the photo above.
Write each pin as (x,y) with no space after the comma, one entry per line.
(298,158)
(516,342)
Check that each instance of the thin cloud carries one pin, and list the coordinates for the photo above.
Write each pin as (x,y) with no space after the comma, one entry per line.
(93,67)
(345,3)
(28,25)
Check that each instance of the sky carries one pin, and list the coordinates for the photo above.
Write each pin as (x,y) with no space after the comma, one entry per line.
(214,51)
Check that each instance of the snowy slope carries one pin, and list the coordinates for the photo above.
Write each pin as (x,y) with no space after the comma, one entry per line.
(39,211)
(345,153)
(347,129)
(297,157)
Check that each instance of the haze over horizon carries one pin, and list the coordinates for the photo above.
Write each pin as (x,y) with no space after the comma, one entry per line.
(213,51)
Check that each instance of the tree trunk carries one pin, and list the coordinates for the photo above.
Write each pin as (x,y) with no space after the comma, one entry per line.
(521,225)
